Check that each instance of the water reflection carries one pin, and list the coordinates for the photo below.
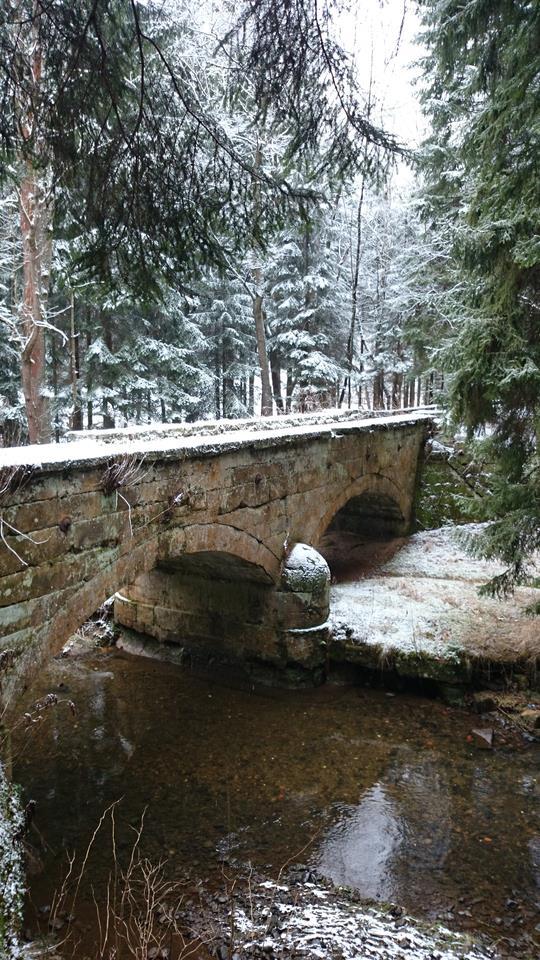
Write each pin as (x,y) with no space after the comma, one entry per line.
(400,832)
(361,848)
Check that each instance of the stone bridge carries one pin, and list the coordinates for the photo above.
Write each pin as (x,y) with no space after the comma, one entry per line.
(207,536)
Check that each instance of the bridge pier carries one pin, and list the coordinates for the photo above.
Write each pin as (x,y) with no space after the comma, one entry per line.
(218,607)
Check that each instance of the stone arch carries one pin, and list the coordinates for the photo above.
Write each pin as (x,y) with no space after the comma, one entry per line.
(219,538)
(375,485)
(211,591)
(221,596)
(140,559)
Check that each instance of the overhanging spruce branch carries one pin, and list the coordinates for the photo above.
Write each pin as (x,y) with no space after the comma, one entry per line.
(220,139)
(287,51)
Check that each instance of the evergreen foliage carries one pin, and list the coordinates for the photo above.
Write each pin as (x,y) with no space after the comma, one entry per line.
(137,90)
(308,308)
(483,186)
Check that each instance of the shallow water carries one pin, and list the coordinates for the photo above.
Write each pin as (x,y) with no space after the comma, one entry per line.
(379,792)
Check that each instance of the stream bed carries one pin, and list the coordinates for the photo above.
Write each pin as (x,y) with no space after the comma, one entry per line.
(384,794)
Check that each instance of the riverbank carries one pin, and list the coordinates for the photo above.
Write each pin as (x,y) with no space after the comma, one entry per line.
(410,610)
(260,919)
(312,920)
(406,614)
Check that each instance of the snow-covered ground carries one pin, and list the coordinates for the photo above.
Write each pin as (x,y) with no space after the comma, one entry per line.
(11,868)
(313,922)
(424,601)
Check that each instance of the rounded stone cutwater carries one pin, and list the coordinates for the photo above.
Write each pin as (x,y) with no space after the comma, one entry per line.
(306,571)
(305,605)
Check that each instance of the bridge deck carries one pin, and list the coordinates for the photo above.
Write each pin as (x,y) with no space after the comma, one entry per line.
(202,439)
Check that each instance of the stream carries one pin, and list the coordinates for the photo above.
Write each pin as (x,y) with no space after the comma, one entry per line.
(385,794)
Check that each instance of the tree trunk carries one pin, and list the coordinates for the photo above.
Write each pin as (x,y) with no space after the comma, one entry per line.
(217,375)
(75,372)
(262,352)
(275,371)
(88,378)
(354,293)
(397,383)
(356,265)
(35,216)
(54,379)
(378,390)
(406,394)
(289,390)
(108,414)
(258,308)
(35,211)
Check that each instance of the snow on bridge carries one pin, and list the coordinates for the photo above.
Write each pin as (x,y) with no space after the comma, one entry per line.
(169,438)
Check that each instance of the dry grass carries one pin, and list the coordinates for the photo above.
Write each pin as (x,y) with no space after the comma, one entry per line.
(138,915)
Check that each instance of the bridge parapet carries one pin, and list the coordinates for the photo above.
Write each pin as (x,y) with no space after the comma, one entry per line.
(141,432)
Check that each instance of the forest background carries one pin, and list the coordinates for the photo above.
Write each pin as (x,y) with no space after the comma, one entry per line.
(203,214)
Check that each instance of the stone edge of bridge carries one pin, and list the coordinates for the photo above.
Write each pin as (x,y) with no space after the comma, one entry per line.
(89,453)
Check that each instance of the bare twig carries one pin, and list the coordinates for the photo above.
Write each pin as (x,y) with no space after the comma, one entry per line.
(18,533)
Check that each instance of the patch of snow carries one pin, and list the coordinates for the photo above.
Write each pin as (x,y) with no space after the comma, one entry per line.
(325,925)
(270,885)
(424,601)
(305,569)
(11,869)
(317,629)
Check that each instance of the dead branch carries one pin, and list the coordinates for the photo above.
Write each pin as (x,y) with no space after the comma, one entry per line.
(123,471)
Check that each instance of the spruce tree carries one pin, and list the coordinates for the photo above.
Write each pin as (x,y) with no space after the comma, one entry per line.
(482,71)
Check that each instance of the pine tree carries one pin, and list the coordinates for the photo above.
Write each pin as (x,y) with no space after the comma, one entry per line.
(307,302)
